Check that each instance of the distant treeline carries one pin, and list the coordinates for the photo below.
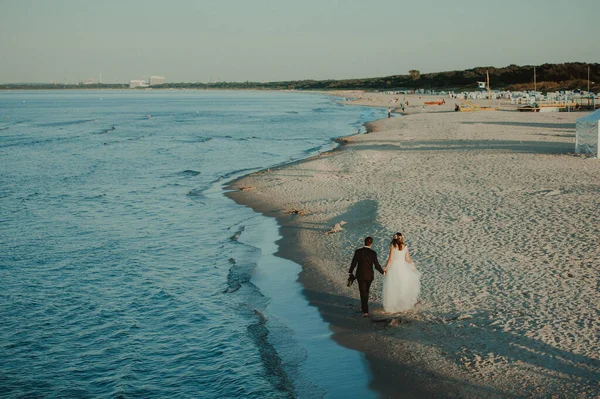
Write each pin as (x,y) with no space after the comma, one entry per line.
(550,77)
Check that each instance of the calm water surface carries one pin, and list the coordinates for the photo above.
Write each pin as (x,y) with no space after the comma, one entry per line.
(119,274)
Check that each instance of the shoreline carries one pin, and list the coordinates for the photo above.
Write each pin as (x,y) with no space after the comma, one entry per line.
(403,351)
(385,381)
(335,309)
(298,328)
(344,332)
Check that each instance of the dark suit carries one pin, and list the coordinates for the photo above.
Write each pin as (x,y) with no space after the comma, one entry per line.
(363,260)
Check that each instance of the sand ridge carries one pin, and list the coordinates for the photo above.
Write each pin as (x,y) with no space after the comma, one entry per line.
(501,219)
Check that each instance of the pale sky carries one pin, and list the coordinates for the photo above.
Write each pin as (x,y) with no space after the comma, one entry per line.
(273,40)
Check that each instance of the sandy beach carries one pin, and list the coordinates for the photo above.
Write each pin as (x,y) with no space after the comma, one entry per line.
(500,217)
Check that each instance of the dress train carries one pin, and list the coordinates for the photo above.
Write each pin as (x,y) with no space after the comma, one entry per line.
(401,284)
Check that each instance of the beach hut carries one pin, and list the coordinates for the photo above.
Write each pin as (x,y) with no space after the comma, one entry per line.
(588,134)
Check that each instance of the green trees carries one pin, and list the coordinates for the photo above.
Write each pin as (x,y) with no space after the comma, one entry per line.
(414,73)
(567,76)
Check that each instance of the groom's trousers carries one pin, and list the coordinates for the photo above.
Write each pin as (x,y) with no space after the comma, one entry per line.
(363,287)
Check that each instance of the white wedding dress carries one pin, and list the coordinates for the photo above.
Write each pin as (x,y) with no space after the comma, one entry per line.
(401,284)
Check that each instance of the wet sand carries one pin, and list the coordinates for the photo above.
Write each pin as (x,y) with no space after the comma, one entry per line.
(500,217)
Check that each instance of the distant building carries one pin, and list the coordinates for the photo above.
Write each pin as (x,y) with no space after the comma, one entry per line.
(157,80)
(137,83)
(89,82)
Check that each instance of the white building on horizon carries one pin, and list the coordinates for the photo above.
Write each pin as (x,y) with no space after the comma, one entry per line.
(88,82)
(157,80)
(137,83)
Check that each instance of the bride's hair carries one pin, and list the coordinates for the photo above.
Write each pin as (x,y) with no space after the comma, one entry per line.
(398,241)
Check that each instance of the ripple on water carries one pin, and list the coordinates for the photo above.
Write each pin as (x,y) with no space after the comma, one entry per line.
(115,270)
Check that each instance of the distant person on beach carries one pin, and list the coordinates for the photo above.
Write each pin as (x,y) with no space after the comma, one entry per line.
(402,282)
(389,112)
(363,261)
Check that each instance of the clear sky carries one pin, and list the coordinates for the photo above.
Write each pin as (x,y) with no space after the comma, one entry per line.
(272,40)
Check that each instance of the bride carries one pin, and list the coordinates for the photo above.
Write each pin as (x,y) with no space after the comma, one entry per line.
(401,285)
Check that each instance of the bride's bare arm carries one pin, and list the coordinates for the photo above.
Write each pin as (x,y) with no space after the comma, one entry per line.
(389,259)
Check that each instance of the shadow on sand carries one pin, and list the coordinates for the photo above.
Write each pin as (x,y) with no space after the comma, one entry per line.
(477,336)
(568,126)
(531,147)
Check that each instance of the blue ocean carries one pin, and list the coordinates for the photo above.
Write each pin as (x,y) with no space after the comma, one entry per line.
(125,271)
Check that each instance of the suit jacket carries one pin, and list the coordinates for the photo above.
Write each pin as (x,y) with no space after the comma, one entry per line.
(363,260)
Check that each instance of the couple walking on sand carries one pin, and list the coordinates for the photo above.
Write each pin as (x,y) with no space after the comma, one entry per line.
(402,281)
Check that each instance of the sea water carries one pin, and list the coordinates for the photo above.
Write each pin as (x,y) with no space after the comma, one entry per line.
(124,269)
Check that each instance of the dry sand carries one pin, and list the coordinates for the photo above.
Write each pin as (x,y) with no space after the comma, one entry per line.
(500,217)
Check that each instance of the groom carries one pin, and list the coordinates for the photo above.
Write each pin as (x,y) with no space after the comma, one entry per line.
(365,258)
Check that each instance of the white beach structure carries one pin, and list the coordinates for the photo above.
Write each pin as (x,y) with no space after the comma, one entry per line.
(588,134)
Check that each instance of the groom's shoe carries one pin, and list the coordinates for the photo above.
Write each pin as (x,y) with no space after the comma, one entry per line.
(365,315)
